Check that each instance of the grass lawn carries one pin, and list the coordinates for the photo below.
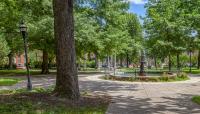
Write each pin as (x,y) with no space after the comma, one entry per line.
(38,72)
(194,70)
(8,81)
(21,72)
(160,70)
(196,99)
(41,101)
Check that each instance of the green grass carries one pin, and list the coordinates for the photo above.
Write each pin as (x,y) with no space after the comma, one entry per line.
(21,72)
(38,72)
(160,70)
(194,71)
(17,72)
(29,107)
(196,99)
(8,81)
(40,101)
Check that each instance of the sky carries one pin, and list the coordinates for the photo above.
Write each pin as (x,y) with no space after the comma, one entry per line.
(137,6)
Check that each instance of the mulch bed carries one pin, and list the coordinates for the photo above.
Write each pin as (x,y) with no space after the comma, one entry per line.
(47,98)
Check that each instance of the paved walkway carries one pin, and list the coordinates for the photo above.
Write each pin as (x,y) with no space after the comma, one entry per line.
(139,97)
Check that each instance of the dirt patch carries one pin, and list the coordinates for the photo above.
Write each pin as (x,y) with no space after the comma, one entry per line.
(47,98)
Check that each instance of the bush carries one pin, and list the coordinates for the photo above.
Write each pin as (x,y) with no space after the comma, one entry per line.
(196,99)
(164,78)
(36,64)
(91,64)
(182,75)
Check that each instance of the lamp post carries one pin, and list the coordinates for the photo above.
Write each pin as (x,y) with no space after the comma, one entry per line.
(23,30)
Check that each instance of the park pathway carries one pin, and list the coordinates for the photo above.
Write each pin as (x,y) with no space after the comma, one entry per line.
(138,97)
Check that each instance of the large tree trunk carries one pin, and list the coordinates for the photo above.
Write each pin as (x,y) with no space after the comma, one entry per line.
(121,61)
(198,65)
(169,63)
(127,60)
(67,76)
(10,56)
(108,63)
(85,62)
(45,63)
(115,64)
(96,61)
(178,61)
(155,62)
(190,61)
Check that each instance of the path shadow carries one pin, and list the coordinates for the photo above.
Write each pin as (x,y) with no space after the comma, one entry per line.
(162,105)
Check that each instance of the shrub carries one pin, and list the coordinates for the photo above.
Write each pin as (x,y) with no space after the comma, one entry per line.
(182,75)
(91,64)
(164,78)
(36,64)
(196,99)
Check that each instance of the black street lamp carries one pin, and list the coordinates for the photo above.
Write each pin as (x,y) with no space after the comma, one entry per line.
(23,30)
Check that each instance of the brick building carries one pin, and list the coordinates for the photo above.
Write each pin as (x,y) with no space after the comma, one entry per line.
(20,61)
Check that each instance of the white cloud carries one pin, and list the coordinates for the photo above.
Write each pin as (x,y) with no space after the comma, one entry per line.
(138,1)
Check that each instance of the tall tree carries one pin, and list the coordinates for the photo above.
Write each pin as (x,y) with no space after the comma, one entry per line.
(11,14)
(4,49)
(41,35)
(67,78)
(165,23)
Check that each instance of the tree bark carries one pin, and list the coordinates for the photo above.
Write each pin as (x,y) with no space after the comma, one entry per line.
(169,63)
(190,61)
(198,65)
(10,56)
(127,60)
(85,64)
(155,63)
(67,76)
(45,63)
(115,64)
(178,61)
(121,61)
(96,61)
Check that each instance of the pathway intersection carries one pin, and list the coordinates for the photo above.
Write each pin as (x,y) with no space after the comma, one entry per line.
(135,97)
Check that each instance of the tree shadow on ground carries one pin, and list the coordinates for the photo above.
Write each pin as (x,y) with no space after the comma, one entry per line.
(125,102)
(163,105)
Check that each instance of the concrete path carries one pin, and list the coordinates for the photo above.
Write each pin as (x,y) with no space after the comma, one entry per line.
(138,97)
(149,98)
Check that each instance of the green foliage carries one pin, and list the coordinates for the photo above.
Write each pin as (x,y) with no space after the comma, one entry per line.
(105,28)
(4,50)
(196,99)
(182,75)
(11,14)
(172,28)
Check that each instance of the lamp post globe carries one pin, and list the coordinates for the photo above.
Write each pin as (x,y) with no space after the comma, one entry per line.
(23,27)
(23,30)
